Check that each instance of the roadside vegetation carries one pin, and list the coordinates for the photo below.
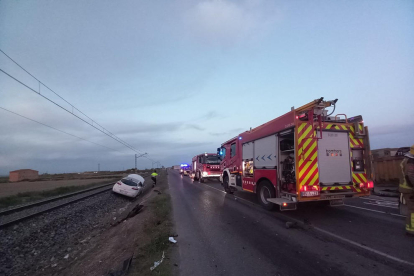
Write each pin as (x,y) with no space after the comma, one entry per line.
(156,231)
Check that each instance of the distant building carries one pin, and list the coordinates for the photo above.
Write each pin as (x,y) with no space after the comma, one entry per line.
(379,153)
(24,174)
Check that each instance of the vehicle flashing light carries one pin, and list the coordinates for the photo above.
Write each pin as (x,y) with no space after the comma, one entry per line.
(240,138)
(284,204)
(184,165)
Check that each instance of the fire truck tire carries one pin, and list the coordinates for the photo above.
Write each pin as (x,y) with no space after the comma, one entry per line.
(226,185)
(195,176)
(266,190)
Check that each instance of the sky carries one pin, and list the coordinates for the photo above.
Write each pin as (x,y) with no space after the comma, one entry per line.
(178,78)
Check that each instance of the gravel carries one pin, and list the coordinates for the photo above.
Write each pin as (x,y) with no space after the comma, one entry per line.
(44,244)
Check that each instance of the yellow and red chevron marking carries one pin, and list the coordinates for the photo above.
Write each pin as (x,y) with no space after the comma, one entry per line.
(359,177)
(355,142)
(347,187)
(339,188)
(307,156)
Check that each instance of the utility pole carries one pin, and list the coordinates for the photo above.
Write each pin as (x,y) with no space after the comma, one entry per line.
(136,157)
(99,167)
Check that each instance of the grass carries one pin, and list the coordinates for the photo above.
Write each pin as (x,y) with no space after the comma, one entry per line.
(22,198)
(157,229)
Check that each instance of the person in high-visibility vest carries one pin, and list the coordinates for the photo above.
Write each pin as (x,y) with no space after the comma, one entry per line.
(407,188)
(154,178)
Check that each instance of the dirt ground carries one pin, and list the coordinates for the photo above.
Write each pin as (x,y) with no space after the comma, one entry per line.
(137,237)
(8,189)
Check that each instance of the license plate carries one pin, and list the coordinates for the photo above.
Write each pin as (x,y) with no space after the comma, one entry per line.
(309,193)
(333,197)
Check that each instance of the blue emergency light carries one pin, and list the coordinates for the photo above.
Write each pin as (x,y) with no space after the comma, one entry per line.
(184,165)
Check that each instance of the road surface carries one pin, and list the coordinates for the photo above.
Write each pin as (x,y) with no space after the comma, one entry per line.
(221,234)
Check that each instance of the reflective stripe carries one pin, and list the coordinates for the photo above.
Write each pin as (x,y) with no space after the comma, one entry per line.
(412,220)
(407,227)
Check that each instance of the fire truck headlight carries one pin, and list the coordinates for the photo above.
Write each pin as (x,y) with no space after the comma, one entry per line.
(205,173)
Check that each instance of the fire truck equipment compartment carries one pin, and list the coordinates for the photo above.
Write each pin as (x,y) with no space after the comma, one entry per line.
(333,158)
(265,152)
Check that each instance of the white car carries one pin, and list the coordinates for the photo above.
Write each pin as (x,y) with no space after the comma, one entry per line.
(130,186)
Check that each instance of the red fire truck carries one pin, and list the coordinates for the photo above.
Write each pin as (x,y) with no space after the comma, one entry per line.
(206,165)
(304,155)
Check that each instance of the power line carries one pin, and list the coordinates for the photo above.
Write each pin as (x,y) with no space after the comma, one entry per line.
(103,130)
(57,129)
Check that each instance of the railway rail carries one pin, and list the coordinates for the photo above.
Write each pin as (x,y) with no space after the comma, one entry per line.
(10,216)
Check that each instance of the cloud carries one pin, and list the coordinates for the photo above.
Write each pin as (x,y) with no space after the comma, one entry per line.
(387,129)
(193,126)
(209,115)
(234,132)
(227,22)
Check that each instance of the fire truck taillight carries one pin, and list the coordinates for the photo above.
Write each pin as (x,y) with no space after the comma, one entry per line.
(368,185)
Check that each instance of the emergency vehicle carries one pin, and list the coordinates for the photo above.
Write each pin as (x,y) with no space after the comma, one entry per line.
(185,169)
(206,165)
(304,155)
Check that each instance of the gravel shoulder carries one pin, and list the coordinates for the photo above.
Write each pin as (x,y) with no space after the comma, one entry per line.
(50,243)
(141,238)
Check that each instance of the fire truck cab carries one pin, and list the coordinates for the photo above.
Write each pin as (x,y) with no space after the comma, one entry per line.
(304,155)
(206,165)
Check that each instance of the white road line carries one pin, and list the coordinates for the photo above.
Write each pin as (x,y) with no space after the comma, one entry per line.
(376,211)
(216,189)
(378,199)
(381,205)
(345,239)
(364,247)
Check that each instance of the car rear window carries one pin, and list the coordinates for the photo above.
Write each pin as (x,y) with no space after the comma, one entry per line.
(129,182)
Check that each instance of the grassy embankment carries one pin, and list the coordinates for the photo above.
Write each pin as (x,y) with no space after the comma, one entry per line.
(156,231)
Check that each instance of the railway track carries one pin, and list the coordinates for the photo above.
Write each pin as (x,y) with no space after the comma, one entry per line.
(21,213)
(11,216)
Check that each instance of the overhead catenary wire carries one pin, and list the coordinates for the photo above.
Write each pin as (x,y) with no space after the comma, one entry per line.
(93,123)
(80,118)
(73,135)
(103,130)
(28,87)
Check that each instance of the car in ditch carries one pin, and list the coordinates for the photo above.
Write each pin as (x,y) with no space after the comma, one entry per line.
(130,186)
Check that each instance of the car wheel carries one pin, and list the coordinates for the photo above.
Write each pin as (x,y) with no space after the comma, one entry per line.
(266,190)
(226,185)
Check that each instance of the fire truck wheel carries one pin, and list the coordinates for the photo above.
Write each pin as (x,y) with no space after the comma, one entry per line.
(265,191)
(202,180)
(226,185)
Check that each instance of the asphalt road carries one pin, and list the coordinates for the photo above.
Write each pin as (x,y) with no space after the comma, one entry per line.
(221,234)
